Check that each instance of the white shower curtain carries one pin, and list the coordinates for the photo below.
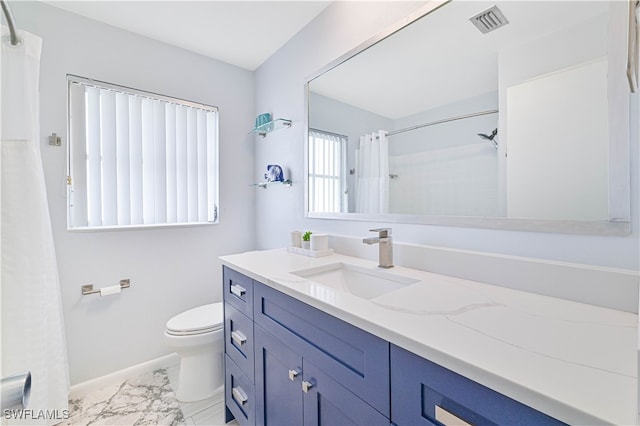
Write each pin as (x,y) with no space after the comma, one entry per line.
(32,324)
(372,173)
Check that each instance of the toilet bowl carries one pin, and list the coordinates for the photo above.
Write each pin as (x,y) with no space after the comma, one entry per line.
(196,336)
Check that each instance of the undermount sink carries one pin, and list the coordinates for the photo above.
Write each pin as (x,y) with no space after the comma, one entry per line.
(362,282)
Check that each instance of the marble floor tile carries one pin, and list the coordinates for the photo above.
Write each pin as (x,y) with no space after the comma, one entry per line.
(145,400)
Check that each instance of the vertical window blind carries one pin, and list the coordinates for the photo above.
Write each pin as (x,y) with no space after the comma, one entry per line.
(138,159)
(327,166)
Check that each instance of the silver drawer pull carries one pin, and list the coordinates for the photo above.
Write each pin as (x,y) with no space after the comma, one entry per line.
(306,386)
(294,373)
(239,395)
(238,337)
(449,419)
(238,290)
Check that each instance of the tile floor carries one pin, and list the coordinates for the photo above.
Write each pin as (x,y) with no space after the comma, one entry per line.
(145,400)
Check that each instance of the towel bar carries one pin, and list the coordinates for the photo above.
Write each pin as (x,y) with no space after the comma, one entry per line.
(88,289)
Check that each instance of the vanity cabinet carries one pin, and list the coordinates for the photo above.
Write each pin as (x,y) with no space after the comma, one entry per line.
(311,368)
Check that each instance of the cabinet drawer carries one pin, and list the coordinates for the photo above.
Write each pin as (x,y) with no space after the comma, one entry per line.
(356,359)
(238,290)
(238,393)
(238,339)
(419,387)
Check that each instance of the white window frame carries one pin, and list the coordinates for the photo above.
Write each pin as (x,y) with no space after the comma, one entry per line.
(327,177)
(156,165)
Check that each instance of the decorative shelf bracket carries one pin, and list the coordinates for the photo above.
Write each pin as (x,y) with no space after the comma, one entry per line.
(272,126)
(264,185)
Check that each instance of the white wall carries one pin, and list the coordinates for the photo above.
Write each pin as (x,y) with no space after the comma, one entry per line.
(280,89)
(170,269)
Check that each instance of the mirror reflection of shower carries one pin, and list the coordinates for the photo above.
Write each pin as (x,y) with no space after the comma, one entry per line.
(491,137)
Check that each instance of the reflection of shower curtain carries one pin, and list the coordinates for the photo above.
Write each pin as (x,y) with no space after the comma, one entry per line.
(32,325)
(372,178)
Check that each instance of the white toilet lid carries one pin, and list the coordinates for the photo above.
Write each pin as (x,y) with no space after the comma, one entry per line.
(197,320)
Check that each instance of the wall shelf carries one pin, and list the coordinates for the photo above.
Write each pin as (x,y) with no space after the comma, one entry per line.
(272,126)
(264,185)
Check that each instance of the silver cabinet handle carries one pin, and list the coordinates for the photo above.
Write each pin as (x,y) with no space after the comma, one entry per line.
(294,373)
(239,395)
(238,337)
(449,419)
(307,385)
(238,290)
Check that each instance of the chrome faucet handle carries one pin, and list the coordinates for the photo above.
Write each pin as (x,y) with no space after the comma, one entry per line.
(385,246)
(382,232)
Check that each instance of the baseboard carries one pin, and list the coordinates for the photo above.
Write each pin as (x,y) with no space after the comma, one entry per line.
(81,389)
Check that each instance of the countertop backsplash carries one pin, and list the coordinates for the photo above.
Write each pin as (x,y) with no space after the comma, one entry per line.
(593,285)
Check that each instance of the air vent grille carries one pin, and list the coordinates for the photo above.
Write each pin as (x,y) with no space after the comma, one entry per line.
(489,20)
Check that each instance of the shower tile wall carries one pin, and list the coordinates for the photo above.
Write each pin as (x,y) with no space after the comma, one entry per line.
(460,181)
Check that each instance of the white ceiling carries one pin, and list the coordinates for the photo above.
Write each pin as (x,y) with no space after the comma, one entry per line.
(242,33)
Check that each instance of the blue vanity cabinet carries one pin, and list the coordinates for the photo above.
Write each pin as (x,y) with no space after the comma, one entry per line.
(424,393)
(307,367)
(238,347)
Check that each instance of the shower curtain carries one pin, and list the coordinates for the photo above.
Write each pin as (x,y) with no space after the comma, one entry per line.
(372,173)
(31,317)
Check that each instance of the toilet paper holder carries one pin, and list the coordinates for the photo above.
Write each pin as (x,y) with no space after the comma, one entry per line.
(88,289)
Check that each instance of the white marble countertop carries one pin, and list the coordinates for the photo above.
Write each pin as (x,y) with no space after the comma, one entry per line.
(573,361)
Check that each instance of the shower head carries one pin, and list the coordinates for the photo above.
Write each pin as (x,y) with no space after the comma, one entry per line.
(491,137)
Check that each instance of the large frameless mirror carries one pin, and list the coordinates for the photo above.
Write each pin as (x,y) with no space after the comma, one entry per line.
(510,115)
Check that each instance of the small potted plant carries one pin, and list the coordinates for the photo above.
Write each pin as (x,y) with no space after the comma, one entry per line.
(306,238)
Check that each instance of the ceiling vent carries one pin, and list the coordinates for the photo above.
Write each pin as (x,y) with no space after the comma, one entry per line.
(489,20)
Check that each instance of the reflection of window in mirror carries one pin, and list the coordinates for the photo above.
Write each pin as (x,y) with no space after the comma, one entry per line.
(327,167)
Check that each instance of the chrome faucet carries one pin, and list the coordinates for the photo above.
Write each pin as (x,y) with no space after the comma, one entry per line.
(385,249)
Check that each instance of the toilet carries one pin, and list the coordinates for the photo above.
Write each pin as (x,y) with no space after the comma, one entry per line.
(197,337)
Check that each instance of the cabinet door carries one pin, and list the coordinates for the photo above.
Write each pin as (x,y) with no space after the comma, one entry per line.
(358,360)
(328,403)
(278,382)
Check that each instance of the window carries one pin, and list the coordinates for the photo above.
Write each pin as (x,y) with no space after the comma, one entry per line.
(139,159)
(327,166)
